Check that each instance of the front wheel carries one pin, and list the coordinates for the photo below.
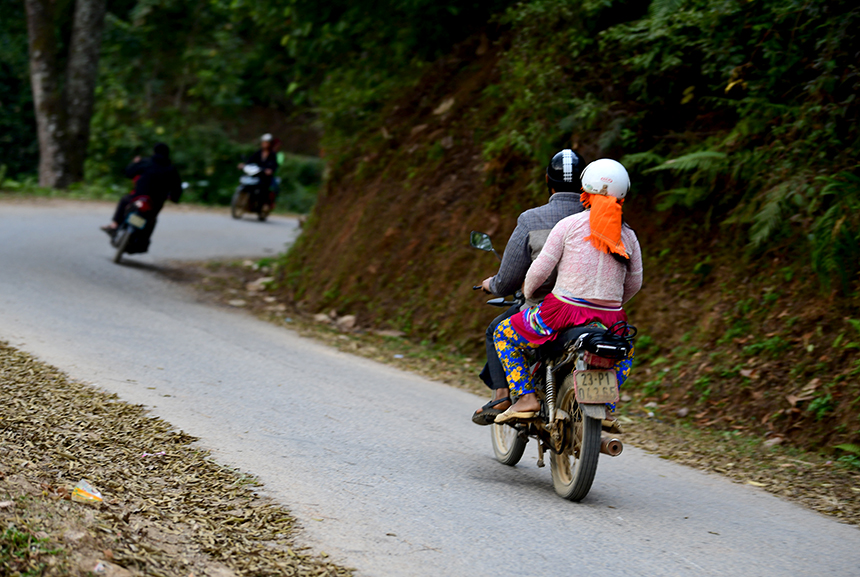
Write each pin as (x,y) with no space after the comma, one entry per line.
(239,203)
(574,468)
(508,444)
(121,243)
(264,212)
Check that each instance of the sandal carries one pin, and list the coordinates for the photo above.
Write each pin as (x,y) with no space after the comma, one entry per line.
(513,416)
(488,414)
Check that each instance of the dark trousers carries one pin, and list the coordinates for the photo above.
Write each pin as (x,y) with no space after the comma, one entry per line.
(121,207)
(493,374)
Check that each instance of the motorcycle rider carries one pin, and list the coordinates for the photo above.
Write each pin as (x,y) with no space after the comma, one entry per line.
(154,177)
(598,265)
(524,246)
(267,159)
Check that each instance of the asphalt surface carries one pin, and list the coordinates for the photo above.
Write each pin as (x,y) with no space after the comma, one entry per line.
(384,469)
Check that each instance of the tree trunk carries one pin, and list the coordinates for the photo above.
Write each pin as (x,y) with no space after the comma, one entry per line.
(81,76)
(47,98)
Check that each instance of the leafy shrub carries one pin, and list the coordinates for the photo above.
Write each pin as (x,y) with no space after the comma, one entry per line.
(821,406)
(835,234)
(719,106)
(773,347)
(18,146)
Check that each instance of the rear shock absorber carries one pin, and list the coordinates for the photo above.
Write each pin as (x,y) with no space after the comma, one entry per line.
(550,391)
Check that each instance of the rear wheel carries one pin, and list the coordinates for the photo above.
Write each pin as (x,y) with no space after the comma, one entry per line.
(239,204)
(508,444)
(573,470)
(123,238)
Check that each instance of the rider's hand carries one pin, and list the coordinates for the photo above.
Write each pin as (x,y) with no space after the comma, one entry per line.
(485,286)
(136,159)
(241,165)
(268,171)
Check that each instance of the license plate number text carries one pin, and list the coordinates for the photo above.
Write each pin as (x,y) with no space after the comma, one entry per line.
(596,387)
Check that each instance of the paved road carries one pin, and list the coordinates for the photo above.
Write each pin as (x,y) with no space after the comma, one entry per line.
(384,468)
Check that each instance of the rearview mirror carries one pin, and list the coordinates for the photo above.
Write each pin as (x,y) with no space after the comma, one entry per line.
(481,241)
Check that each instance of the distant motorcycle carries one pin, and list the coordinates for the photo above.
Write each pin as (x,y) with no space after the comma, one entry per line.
(133,234)
(250,195)
(574,379)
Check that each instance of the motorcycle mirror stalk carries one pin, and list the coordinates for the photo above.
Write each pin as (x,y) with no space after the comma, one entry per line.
(481,241)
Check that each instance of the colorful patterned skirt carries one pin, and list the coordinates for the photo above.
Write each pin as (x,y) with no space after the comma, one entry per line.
(541,324)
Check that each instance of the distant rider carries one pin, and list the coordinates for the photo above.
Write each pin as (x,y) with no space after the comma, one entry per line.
(524,246)
(266,158)
(154,177)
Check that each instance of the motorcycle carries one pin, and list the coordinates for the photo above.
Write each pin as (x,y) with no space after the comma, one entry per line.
(574,380)
(133,234)
(249,195)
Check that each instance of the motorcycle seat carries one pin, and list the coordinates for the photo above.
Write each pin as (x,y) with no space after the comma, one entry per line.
(557,346)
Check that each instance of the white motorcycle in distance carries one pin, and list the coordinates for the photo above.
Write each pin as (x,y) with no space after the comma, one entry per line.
(574,379)
(249,195)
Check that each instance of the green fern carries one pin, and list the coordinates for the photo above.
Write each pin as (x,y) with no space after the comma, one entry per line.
(766,223)
(768,220)
(641,160)
(708,161)
(662,8)
(836,232)
(688,197)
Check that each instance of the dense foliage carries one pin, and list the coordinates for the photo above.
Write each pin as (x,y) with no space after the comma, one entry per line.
(734,113)
(743,113)
(201,76)
(18,147)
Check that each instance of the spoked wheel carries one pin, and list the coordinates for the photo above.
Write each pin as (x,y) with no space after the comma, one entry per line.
(239,204)
(508,445)
(573,470)
(121,243)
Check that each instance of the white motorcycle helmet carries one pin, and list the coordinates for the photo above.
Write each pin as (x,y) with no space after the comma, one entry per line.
(606,177)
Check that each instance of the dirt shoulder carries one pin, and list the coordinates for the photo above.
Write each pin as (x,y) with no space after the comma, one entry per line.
(166,509)
(814,480)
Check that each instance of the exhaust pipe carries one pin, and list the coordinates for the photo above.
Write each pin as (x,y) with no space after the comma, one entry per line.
(610,446)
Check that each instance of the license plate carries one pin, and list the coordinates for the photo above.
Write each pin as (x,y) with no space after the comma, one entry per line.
(249,180)
(595,386)
(137,221)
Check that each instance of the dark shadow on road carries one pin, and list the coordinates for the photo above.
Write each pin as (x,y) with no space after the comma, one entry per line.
(141,265)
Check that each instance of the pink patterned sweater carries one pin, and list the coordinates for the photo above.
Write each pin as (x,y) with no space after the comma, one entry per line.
(583,271)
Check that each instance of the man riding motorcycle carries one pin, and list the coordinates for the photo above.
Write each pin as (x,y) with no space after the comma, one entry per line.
(527,240)
(266,158)
(154,177)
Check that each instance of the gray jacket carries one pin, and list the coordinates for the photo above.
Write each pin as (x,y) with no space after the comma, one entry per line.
(526,242)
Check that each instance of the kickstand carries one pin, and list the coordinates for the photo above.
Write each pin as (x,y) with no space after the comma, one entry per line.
(541,449)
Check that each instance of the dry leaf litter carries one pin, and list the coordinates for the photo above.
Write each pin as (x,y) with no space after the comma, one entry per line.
(167,508)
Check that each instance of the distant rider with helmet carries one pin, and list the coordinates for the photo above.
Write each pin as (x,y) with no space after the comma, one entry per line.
(524,246)
(266,158)
(598,264)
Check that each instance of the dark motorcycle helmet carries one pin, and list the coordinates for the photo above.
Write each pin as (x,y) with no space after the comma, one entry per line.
(562,172)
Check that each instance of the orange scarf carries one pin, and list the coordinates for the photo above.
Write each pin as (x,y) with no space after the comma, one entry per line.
(605,220)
